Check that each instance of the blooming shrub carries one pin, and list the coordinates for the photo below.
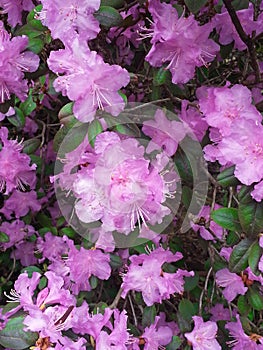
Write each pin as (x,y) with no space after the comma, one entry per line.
(131,175)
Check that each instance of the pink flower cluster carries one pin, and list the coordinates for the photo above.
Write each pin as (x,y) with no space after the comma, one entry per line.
(14,61)
(145,275)
(229,111)
(86,79)
(181,42)
(117,184)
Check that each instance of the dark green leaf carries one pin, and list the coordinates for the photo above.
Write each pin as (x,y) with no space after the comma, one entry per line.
(4,238)
(255,298)
(13,335)
(30,146)
(255,254)
(186,309)
(28,106)
(175,343)
(127,129)
(71,135)
(240,4)
(195,5)
(113,3)
(191,282)
(115,261)
(108,16)
(239,257)
(18,120)
(242,305)
(148,317)
(66,115)
(232,238)
(68,231)
(30,270)
(227,178)
(35,45)
(93,282)
(227,218)
(251,217)
(161,77)
(95,128)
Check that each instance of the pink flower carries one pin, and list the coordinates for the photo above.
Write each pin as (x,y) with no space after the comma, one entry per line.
(164,133)
(13,204)
(14,10)
(241,339)
(232,283)
(179,41)
(86,79)
(85,263)
(17,231)
(224,107)
(219,313)
(257,193)
(145,275)
(245,150)
(14,60)
(15,170)
(208,230)
(203,336)
(227,31)
(69,18)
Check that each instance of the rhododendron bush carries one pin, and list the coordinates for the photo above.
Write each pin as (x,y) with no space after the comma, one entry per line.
(131,174)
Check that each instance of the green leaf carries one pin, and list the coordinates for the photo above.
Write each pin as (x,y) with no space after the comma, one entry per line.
(161,77)
(148,316)
(30,270)
(251,217)
(95,128)
(66,115)
(127,129)
(255,298)
(186,309)
(35,45)
(239,257)
(18,119)
(227,178)
(242,305)
(113,3)
(28,106)
(232,238)
(240,4)
(115,261)
(13,335)
(93,282)
(108,16)
(68,231)
(191,282)
(30,146)
(255,254)
(227,218)
(4,238)
(175,343)
(195,5)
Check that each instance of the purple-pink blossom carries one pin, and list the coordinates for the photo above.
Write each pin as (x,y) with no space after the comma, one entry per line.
(67,19)
(232,283)
(86,79)
(145,275)
(14,8)
(181,42)
(240,340)
(14,61)
(15,171)
(203,336)
(165,134)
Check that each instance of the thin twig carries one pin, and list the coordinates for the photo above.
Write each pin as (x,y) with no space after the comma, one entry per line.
(204,290)
(247,40)
(115,302)
(133,311)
